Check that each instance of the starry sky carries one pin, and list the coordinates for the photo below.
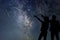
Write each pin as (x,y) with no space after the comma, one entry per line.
(17,20)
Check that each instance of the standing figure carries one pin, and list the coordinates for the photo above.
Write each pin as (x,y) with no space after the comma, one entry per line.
(44,27)
(54,24)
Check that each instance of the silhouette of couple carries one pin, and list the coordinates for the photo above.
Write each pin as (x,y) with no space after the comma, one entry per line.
(54,27)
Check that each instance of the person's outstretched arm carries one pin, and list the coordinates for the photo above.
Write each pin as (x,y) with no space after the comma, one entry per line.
(38,18)
(42,16)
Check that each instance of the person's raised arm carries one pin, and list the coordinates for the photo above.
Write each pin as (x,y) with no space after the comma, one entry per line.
(38,18)
(42,16)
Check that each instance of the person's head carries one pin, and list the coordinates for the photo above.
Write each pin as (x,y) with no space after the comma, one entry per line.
(53,17)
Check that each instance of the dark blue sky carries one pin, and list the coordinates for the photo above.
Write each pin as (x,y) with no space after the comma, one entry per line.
(17,21)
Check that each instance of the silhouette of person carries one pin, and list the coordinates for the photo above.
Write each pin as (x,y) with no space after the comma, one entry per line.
(44,27)
(54,24)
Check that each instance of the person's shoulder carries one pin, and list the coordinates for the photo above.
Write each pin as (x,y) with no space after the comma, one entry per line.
(56,20)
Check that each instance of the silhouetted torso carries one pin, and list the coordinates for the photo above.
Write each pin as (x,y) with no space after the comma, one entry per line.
(44,26)
(54,25)
(54,28)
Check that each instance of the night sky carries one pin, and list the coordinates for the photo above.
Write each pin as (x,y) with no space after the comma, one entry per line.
(17,21)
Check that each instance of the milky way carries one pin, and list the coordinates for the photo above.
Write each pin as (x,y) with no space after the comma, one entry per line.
(17,20)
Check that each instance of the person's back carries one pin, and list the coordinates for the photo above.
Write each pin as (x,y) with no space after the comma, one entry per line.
(54,24)
(45,25)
